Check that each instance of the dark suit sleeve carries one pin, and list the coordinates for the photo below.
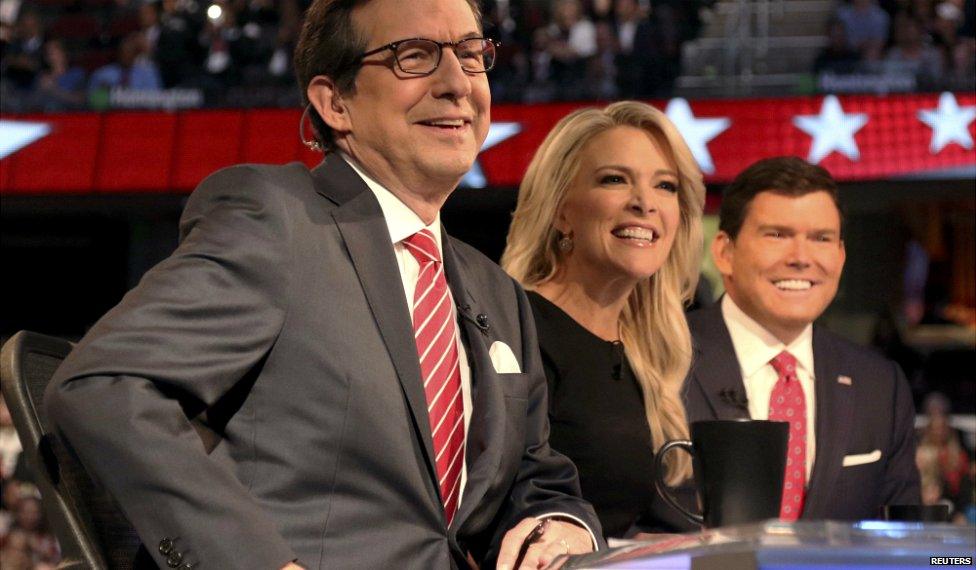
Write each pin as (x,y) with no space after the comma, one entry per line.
(901,479)
(194,327)
(547,481)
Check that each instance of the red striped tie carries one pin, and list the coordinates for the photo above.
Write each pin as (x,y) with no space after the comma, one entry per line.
(435,332)
(787,404)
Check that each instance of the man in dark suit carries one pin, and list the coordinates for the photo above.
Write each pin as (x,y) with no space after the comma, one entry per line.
(758,354)
(320,377)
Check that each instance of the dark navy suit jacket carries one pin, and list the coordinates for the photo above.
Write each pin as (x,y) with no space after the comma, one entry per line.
(873,412)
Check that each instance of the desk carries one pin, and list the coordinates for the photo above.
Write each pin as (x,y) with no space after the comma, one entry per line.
(775,545)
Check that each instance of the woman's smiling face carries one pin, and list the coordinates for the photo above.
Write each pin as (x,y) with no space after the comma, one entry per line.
(622,207)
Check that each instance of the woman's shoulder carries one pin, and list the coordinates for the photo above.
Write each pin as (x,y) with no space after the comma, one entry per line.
(549,318)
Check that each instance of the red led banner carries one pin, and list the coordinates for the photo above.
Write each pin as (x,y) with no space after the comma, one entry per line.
(854,137)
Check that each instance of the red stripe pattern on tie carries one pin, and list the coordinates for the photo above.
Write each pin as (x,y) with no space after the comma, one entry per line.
(435,331)
(787,404)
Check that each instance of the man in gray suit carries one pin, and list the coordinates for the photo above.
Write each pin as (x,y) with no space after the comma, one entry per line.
(319,376)
(759,355)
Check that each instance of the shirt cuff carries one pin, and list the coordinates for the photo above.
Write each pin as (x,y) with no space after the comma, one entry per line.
(573,519)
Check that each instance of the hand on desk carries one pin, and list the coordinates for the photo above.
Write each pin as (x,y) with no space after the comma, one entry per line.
(549,539)
(292,566)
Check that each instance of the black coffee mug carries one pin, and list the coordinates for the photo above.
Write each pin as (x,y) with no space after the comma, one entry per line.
(739,470)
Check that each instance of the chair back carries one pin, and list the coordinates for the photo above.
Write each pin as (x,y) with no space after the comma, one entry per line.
(90,527)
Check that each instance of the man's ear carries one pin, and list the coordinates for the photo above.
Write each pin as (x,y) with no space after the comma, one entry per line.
(723,250)
(326,99)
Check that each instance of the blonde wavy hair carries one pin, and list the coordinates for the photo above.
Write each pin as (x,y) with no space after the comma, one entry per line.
(653,328)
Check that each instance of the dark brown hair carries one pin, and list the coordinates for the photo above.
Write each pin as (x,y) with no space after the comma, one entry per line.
(329,44)
(786,175)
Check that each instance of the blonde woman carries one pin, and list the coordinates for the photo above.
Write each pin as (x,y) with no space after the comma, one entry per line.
(607,239)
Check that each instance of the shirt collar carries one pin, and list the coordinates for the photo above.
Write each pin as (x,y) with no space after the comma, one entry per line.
(401,221)
(755,346)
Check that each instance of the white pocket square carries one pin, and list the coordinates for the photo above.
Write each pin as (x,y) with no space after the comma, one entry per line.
(861,459)
(503,359)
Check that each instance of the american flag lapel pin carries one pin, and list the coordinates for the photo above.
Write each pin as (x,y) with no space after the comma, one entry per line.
(845,380)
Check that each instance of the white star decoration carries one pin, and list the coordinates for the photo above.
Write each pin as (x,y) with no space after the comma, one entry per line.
(832,130)
(15,135)
(497,132)
(949,123)
(696,132)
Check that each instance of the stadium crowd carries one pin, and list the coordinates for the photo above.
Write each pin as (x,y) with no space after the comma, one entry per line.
(56,53)
(25,541)
(932,41)
(60,54)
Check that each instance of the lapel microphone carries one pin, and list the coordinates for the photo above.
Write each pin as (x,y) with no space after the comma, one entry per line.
(618,360)
(735,399)
(480,320)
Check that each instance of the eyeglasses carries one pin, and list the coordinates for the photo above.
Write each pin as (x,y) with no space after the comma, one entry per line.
(420,56)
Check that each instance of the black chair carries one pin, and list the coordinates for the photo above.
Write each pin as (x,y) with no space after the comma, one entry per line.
(90,528)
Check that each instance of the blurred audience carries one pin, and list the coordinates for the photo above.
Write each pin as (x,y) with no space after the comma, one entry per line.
(657,45)
(60,86)
(572,41)
(964,52)
(866,25)
(175,48)
(25,540)
(22,57)
(837,56)
(943,462)
(601,69)
(929,40)
(556,50)
(129,70)
(10,447)
(911,54)
(15,553)
(229,48)
(279,63)
(629,17)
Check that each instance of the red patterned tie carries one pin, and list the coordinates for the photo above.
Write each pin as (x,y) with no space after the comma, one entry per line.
(435,332)
(787,404)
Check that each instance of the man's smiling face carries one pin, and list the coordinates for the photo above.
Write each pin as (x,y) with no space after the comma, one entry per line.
(417,132)
(784,266)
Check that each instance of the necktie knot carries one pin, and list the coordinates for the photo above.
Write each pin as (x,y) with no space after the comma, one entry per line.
(423,247)
(785,365)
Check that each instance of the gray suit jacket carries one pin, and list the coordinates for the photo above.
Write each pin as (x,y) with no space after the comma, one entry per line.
(874,411)
(281,325)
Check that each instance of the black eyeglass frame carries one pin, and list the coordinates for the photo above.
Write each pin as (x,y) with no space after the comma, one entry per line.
(392,46)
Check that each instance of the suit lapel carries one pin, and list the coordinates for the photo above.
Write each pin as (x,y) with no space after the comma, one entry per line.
(487,427)
(362,226)
(835,415)
(716,368)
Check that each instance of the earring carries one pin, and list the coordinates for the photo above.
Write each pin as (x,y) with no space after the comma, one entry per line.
(565,243)
(312,144)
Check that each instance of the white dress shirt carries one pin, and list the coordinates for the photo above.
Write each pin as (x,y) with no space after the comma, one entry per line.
(403,223)
(755,347)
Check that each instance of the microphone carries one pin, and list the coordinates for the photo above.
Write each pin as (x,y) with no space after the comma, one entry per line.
(480,320)
(618,360)
(734,398)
